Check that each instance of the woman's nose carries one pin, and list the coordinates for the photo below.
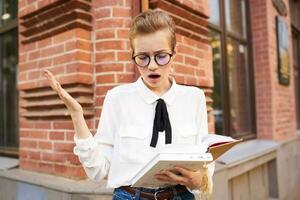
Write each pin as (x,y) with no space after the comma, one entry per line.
(152,65)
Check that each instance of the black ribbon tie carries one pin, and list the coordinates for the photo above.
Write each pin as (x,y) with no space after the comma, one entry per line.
(161,123)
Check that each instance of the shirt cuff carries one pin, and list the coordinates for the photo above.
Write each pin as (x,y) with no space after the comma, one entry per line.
(84,143)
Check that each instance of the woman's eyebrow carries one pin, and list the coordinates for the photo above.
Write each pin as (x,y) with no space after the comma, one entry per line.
(158,51)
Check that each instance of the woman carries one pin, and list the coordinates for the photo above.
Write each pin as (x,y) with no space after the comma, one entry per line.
(139,118)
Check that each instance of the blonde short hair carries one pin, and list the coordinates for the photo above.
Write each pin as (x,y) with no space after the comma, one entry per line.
(151,21)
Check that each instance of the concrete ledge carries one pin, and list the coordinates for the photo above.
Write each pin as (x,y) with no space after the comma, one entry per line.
(246,151)
(56,183)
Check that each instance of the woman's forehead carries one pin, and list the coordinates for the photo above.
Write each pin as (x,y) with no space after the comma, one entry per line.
(152,42)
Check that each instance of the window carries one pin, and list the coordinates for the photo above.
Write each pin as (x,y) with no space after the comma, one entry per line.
(233,94)
(8,77)
(295,21)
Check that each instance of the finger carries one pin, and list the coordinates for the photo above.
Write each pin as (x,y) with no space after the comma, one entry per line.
(185,172)
(165,179)
(176,178)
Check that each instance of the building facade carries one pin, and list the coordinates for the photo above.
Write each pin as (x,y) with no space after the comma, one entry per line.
(245,55)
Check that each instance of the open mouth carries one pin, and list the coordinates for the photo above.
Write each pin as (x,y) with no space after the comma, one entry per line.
(154,76)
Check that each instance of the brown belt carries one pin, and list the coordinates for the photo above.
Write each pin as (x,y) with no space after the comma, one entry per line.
(159,195)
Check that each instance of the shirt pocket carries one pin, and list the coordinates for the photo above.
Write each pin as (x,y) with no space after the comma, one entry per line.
(135,144)
(187,133)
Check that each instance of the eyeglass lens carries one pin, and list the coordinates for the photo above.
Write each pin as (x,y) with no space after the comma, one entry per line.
(160,59)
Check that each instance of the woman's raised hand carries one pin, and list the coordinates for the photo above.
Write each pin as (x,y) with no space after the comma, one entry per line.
(72,105)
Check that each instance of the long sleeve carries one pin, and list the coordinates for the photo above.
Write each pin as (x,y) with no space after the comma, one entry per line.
(95,152)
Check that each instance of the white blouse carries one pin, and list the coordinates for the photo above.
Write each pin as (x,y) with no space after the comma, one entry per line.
(121,145)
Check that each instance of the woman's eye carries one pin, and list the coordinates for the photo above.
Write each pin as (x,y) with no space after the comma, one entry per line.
(161,56)
(142,57)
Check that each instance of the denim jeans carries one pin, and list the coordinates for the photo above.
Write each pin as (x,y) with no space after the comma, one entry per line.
(120,194)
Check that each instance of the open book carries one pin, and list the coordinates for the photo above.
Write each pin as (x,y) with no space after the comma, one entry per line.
(192,157)
(218,144)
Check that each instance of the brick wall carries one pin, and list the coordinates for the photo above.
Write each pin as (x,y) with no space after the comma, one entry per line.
(85,44)
(275,103)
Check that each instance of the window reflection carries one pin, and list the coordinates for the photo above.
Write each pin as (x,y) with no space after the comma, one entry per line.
(215,10)
(8,11)
(235,16)
(238,87)
(217,99)
(9,94)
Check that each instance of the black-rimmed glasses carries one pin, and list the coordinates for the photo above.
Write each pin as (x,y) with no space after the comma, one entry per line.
(161,59)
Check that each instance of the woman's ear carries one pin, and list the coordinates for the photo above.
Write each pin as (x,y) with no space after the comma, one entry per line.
(175,50)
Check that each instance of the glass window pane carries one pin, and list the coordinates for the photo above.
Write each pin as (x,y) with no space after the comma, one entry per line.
(235,16)
(217,98)
(8,11)
(8,84)
(239,92)
(296,58)
(215,12)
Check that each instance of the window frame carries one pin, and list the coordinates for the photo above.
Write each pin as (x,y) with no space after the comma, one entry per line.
(224,33)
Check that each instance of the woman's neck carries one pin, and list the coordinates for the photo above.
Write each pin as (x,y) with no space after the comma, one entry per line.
(162,90)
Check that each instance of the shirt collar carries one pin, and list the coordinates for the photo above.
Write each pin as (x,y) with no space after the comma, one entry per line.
(150,97)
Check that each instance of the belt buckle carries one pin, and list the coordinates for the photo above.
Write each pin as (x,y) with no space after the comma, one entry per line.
(156,193)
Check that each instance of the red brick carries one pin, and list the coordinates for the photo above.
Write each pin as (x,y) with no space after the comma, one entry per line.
(102,13)
(124,56)
(26,124)
(83,56)
(56,135)
(107,78)
(50,51)
(72,159)
(105,56)
(24,143)
(57,70)
(42,125)
(104,34)
(33,155)
(63,147)
(79,67)
(109,68)
(45,167)
(34,55)
(183,69)
(76,78)
(125,78)
(44,145)
(130,67)
(102,90)
(63,125)
(28,164)
(69,135)
(34,134)
(121,12)
(107,45)
(47,62)
(28,66)
(123,33)
(83,34)
(191,61)
(44,43)
(63,37)
(101,3)
(110,23)
(65,58)
(33,75)
(43,3)
(185,50)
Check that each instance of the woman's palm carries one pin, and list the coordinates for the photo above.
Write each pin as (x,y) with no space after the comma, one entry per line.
(72,105)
